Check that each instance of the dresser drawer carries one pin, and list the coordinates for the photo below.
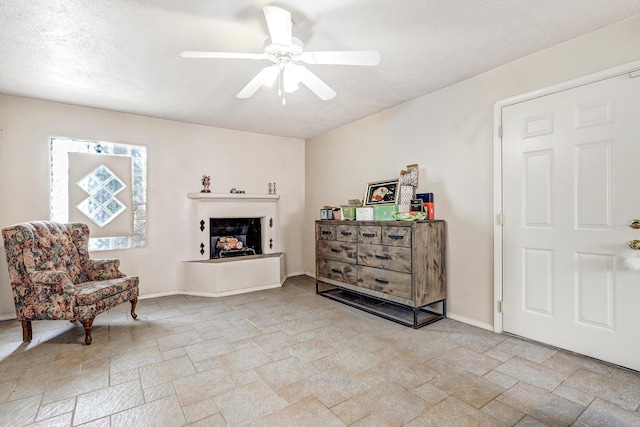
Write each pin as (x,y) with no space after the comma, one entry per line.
(396,236)
(347,233)
(340,251)
(370,234)
(389,257)
(326,232)
(336,270)
(388,282)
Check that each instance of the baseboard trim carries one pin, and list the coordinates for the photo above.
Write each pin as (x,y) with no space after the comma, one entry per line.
(472,322)
(210,294)
(295,273)
(158,295)
(229,293)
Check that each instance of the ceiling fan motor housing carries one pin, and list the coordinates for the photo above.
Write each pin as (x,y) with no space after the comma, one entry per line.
(283,54)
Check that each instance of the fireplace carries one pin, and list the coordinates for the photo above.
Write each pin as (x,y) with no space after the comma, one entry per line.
(233,237)
(205,275)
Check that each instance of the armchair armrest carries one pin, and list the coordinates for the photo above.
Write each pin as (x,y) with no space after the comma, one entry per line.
(52,295)
(102,269)
(58,281)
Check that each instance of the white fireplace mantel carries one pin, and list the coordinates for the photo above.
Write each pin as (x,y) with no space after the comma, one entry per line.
(215,197)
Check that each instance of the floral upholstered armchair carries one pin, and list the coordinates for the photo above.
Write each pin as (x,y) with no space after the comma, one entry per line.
(52,276)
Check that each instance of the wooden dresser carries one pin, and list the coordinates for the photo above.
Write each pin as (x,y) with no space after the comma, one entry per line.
(393,269)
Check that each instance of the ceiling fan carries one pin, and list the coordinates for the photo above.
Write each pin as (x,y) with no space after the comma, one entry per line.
(286,51)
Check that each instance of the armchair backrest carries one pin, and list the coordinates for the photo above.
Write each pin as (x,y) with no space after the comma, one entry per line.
(45,245)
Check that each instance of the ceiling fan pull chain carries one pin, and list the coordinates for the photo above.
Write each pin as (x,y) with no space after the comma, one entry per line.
(284,102)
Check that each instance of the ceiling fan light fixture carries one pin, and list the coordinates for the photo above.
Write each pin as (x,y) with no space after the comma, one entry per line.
(268,78)
(291,75)
(290,84)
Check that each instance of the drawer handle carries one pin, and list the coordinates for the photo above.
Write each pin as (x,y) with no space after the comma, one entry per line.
(368,234)
(381,256)
(336,271)
(384,282)
(326,232)
(346,233)
(396,237)
(336,250)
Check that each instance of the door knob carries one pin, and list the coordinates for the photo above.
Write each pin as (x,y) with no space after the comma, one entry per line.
(634,244)
(634,223)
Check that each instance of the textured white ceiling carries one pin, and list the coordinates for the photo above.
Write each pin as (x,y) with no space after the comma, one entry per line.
(123,55)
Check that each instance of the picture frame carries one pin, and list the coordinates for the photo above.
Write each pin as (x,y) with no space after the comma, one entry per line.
(382,192)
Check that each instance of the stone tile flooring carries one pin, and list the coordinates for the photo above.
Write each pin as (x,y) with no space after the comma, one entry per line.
(288,357)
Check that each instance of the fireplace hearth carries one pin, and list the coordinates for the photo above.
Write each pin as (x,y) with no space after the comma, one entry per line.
(234,237)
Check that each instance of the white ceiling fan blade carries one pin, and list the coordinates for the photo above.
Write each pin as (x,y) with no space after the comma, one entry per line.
(279,23)
(343,57)
(222,55)
(314,83)
(266,76)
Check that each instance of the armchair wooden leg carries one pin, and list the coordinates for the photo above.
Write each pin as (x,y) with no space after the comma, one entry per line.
(27,332)
(134,302)
(87,330)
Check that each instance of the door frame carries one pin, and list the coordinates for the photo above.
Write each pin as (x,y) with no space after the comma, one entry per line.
(631,67)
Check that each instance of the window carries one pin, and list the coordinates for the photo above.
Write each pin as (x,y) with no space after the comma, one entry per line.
(102,189)
(101,206)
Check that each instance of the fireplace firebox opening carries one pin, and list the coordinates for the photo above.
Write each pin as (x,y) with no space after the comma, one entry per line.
(231,237)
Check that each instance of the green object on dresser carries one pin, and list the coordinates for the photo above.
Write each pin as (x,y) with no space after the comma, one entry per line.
(348,212)
(384,212)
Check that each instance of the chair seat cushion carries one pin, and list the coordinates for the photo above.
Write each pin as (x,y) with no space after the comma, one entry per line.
(92,292)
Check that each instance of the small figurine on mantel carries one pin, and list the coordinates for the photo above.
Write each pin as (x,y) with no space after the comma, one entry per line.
(206,182)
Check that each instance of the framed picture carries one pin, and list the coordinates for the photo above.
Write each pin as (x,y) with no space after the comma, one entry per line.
(382,193)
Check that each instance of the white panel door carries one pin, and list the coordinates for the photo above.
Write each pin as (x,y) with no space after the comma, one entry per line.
(571,185)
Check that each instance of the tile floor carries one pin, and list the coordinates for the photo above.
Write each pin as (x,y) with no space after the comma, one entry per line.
(288,357)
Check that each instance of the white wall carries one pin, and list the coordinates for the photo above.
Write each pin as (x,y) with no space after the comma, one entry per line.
(178,155)
(449,133)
